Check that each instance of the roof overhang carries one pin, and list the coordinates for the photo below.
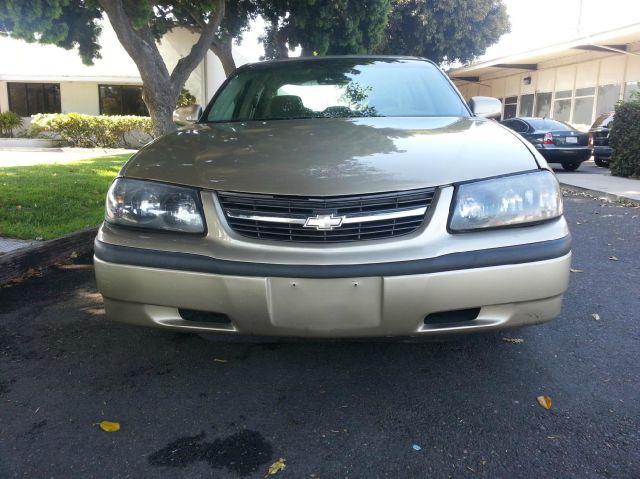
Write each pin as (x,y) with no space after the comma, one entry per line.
(621,41)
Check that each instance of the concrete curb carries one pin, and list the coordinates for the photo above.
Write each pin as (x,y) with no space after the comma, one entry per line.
(602,195)
(26,261)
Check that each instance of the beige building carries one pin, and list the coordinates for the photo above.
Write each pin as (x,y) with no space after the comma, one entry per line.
(574,81)
(38,78)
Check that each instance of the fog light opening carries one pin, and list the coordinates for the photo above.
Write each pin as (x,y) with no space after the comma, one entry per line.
(203,316)
(457,316)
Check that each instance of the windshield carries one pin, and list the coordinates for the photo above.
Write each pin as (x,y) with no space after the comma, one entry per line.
(336,88)
(547,124)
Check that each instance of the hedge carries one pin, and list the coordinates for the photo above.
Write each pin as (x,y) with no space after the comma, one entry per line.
(94,131)
(624,138)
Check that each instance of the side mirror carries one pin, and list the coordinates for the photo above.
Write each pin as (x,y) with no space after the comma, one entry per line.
(186,115)
(486,107)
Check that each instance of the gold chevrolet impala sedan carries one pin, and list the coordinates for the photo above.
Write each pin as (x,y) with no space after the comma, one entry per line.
(336,197)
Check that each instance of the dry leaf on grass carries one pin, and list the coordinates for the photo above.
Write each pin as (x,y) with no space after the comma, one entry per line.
(108,426)
(513,340)
(596,316)
(576,270)
(276,467)
(544,401)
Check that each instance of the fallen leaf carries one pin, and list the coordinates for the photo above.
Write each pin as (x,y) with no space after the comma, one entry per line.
(613,258)
(596,316)
(216,360)
(108,426)
(544,401)
(513,340)
(576,270)
(276,467)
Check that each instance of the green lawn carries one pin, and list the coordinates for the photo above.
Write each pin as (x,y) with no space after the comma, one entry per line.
(48,201)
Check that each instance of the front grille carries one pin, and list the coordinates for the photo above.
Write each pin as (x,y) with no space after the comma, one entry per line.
(366,217)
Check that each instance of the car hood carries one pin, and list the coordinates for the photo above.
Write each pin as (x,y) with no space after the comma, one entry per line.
(332,156)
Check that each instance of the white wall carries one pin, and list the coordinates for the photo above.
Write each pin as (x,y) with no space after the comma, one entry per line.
(79,82)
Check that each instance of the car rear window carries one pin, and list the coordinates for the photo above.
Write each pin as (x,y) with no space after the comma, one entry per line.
(603,120)
(549,125)
(336,88)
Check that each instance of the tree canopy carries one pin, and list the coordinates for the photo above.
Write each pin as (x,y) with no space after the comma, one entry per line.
(325,27)
(445,30)
(441,30)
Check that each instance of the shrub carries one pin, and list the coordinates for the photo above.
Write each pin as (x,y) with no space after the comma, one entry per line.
(9,121)
(185,98)
(624,138)
(94,131)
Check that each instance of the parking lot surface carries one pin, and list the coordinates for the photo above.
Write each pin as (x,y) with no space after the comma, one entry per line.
(189,407)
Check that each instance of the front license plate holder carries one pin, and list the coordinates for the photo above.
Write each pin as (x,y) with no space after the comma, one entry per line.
(325,304)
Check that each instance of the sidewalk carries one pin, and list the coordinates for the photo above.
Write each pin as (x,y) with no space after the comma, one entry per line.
(39,156)
(599,180)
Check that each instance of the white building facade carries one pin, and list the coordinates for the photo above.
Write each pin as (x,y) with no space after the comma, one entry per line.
(573,82)
(38,78)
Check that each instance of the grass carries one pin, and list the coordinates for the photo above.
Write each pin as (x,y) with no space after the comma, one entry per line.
(51,200)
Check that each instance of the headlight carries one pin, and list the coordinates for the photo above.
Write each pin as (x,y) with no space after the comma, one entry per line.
(145,204)
(507,201)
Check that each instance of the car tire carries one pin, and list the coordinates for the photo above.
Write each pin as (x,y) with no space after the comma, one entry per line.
(600,162)
(571,166)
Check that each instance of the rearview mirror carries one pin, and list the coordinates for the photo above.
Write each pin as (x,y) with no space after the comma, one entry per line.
(186,115)
(486,107)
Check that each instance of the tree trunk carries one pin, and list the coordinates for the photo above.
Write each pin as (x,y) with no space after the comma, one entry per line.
(160,89)
(223,50)
(160,105)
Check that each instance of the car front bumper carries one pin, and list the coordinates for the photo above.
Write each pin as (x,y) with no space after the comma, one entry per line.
(507,287)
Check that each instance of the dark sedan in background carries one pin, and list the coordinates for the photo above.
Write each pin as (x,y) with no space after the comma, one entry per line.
(599,139)
(556,141)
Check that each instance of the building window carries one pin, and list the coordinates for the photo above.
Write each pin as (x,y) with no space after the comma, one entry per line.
(526,105)
(510,107)
(608,96)
(122,100)
(583,106)
(631,88)
(543,104)
(28,99)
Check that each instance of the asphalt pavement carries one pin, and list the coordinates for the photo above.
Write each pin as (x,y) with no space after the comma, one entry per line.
(460,408)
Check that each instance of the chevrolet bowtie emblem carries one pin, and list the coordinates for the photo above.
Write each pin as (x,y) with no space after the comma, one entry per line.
(324,222)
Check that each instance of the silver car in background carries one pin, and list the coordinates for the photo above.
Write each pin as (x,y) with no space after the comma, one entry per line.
(336,197)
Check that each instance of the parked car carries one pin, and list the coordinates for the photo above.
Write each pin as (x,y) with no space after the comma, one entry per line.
(336,197)
(555,140)
(599,139)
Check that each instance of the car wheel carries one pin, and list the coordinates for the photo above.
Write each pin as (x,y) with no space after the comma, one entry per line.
(600,162)
(571,166)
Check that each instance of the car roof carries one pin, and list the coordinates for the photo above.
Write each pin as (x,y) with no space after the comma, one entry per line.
(268,63)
